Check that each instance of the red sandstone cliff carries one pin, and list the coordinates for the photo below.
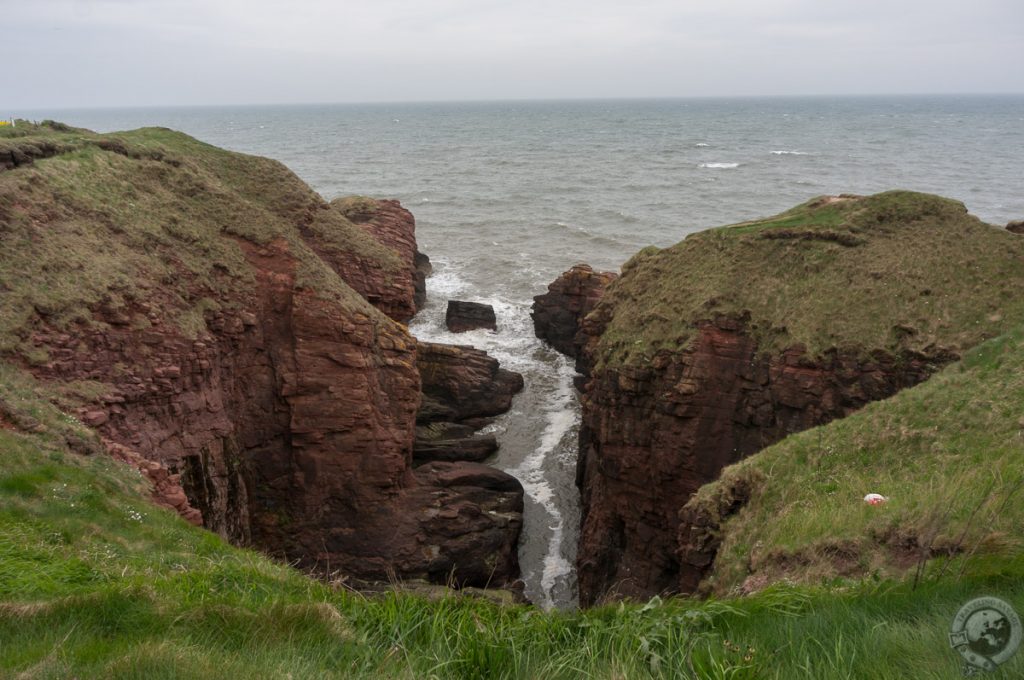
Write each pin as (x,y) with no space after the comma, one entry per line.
(399,294)
(652,436)
(697,356)
(228,350)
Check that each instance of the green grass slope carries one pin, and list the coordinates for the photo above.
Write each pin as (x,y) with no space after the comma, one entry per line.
(897,270)
(949,455)
(92,221)
(96,583)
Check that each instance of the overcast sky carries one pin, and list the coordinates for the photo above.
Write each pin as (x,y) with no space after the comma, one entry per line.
(78,53)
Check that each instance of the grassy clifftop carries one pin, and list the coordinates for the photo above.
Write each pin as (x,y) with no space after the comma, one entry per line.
(897,270)
(948,453)
(101,221)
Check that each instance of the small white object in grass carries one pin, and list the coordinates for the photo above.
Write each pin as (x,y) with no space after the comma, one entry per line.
(875,499)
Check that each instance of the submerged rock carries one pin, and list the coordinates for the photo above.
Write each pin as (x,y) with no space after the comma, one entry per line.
(468,316)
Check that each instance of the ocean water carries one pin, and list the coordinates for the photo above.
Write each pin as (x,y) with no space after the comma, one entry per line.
(508,195)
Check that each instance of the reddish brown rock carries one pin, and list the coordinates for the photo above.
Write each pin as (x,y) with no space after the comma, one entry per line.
(652,435)
(288,424)
(1017,226)
(558,314)
(461,382)
(399,293)
(242,333)
(463,387)
(463,316)
(166,486)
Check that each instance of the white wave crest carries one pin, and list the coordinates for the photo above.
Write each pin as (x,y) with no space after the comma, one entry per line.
(720,166)
(790,153)
(560,421)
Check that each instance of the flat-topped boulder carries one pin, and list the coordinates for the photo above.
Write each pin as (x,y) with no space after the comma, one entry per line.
(460,382)
(468,316)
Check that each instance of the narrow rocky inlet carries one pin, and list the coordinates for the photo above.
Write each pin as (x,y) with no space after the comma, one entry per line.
(537,437)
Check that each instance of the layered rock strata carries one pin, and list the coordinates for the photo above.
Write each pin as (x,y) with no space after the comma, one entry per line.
(651,436)
(557,314)
(463,388)
(399,294)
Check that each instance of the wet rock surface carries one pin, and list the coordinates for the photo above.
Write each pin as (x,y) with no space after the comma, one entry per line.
(452,441)
(463,388)
(468,316)
(460,383)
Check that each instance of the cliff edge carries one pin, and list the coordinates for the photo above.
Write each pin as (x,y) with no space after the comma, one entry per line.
(708,351)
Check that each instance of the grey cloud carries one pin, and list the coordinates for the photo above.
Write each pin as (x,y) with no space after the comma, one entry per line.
(148,52)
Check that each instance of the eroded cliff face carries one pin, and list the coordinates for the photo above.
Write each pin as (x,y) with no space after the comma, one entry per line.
(289,426)
(698,356)
(652,436)
(558,314)
(244,371)
(399,294)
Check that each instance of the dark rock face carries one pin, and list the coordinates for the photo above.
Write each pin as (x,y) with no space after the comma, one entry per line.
(463,387)
(467,316)
(474,532)
(423,270)
(461,382)
(557,314)
(653,435)
(457,523)
(1016,227)
(450,442)
(699,532)
(470,517)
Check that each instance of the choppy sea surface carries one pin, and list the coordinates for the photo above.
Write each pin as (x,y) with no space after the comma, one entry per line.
(508,195)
